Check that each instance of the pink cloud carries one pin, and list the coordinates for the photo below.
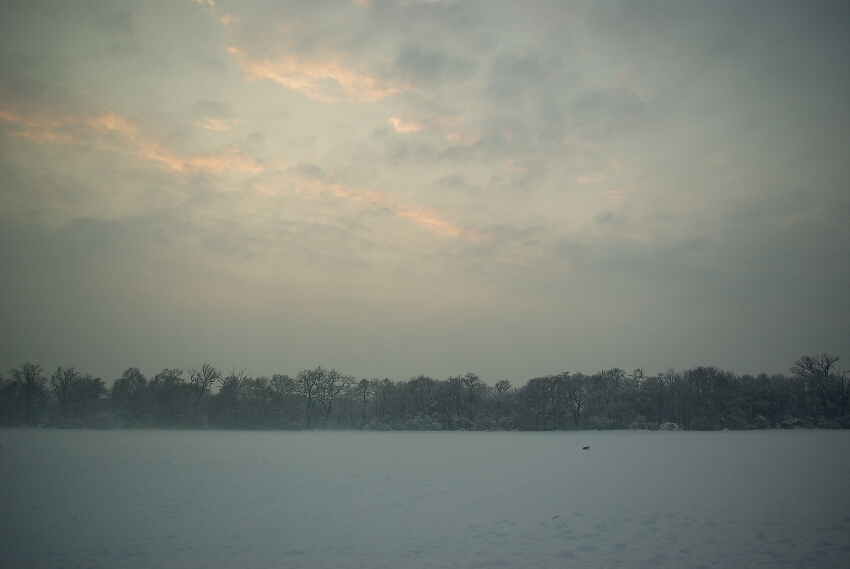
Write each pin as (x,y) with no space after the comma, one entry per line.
(109,131)
(402,210)
(402,125)
(323,78)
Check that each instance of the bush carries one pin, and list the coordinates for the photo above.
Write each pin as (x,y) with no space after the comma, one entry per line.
(422,422)
(794,423)
(377,425)
(600,423)
(759,422)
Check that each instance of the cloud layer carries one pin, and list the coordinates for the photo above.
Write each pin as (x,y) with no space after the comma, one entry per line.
(405,187)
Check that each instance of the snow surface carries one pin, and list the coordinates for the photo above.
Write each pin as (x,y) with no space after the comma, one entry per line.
(448,499)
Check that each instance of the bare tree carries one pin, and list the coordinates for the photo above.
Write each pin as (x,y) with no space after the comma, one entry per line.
(170,396)
(331,384)
(202,379)
(62,383)
(307,386)
(85,395)
(455,388)
(472,383)
(576,387)
(128,397)
(226,409)
(500,390)
(826,381)
(818,366)
(282,387)
(31,387)
(255,398)
(363,397)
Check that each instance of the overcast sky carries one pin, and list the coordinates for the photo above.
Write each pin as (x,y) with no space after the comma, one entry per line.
(395,188)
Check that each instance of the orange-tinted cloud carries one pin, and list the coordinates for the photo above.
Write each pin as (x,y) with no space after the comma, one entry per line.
(401,125)
(407,211)
(40,128)
(207,4)
(322,78)
(214,124)
(110,131)
(596,178)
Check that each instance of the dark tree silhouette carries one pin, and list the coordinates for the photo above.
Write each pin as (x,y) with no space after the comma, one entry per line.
(330,385)
(826,381)
(128,398)
(62,383)
(307,385)
(815,366)
(202,379)
(706,398)
(29,392)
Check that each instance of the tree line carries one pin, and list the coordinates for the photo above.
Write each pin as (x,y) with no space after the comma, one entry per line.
(814,395)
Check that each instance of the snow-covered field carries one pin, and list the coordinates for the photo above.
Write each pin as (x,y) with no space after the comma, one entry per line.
(170,499)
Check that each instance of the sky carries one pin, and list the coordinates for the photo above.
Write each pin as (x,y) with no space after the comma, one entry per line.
(406,187)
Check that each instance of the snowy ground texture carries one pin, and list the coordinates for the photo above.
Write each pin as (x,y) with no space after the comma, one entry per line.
(175,499)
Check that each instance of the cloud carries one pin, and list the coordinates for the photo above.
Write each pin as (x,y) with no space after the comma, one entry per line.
(324,78)
(463,138)
(109,131)
(215,116)
(379,141)
(207,3)
(401,125)
(311,180)
(228,19)
(610,111)
(215,125)
(117,22)
(597,178)
(718,158)
(217,109)
(429,68)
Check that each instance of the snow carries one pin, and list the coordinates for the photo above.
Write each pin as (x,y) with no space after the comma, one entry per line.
(427,499)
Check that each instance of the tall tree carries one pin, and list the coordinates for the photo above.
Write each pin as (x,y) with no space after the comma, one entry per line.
(331,384)
(500,391)
(228,399)
(455,387)
(282,387)
(255,402)
(202,379)
(826,383)
(472,383)
(307,386)
(363,398)
(128,397)
(31,390)
(170,397)
(818,366)
(85,397)
(62,383)
(576,387)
